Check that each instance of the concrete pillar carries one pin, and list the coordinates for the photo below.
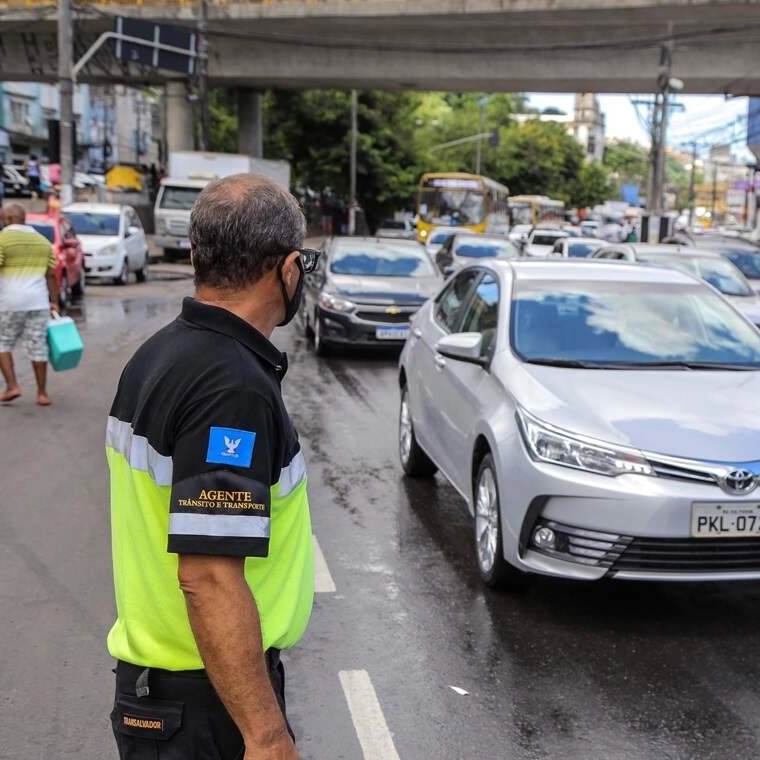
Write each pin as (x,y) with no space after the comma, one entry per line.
(250,123)
(179,118)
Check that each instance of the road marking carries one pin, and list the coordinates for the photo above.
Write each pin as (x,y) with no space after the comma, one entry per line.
(323,582)
(374,737)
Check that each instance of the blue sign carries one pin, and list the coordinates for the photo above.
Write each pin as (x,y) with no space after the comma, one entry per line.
(630,194)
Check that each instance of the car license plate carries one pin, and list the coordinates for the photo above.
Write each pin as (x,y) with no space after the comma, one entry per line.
(717,520)
(392,333)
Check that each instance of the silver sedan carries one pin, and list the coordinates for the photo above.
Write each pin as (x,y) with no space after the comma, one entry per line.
(599,421)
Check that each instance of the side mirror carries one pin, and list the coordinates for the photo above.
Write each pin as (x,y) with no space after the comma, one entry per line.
(132,230)
(463,347)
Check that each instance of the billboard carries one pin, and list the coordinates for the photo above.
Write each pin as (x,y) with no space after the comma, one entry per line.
(753,126)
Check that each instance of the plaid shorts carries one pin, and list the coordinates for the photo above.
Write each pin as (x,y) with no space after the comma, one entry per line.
(29,325)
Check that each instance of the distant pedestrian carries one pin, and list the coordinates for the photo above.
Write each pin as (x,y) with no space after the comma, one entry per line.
(326,212)
(33,174)
(210,522)
(28,293)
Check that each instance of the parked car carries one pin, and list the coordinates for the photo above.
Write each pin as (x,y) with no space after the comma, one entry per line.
(113,239)
(365,290)
(590,228)
(541,240)
(439,235)
(15,183)
(69,256)
(396,228)
(708,266)
(576,247)
(459,250)
(595,418)
(519,233)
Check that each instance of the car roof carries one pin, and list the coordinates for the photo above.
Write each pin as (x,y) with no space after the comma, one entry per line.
(584,270)
(377,242)
(487,238)
(183,182)
(95,208)
(596,241)
(672,250)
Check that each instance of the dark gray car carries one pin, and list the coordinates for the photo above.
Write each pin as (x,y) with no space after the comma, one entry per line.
(365,290)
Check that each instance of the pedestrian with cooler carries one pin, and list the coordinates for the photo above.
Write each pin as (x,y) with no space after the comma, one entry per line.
(28,293)
(212,556)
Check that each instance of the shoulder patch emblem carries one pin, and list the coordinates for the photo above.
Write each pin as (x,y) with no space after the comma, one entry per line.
(230,446)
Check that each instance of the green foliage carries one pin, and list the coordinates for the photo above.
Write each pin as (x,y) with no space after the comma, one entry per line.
(223,127)
(593,185)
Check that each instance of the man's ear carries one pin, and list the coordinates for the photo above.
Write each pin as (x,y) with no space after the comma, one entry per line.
(289,266)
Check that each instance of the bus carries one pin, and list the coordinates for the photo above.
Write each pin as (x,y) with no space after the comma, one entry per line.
(456,199)
(536,209)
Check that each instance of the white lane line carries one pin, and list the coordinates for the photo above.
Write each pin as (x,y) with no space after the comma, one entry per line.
(374,737)
(323,582)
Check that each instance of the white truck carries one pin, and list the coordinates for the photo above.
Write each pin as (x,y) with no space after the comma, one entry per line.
(189,173)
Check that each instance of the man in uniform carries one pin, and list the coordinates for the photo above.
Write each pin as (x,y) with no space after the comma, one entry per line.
(211,532)
(28,293)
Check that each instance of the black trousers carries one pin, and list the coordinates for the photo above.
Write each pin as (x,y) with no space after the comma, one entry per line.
(181,717)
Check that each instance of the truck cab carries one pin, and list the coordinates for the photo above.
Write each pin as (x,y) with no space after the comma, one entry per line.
(174,202)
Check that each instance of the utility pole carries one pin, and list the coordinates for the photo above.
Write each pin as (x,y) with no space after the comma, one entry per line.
(203,76)
(692,180)
(655,191)
(66,90)
(714,194)
(352,161)
(482,103)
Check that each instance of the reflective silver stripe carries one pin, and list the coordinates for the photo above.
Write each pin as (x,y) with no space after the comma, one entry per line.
(292,475)
(138,452)
(230,526)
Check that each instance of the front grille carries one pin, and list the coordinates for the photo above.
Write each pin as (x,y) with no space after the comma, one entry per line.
(684,555)
(177,226)
(381,318)
(677,471)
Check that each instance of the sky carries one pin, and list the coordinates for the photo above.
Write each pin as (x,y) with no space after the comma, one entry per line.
(702,113)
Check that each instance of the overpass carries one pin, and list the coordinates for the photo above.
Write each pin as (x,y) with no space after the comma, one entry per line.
(492,45)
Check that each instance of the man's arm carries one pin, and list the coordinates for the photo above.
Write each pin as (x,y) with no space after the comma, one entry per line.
(52,286)
(225,622)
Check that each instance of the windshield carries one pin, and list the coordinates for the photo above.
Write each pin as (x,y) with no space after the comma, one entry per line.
(545,239)
(581,250)
(748,262)
(628,323)
(85,223)
(452,206)
(392,224)
(179,198)
(44,229)
(439,238)
(381,261)
(522,213)
(721,274)
(484,249)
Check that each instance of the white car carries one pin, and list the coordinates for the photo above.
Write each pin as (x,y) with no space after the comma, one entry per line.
(519,233)
(113,240)
(599,420)
(402,229)
(439,235)
(542,240)
(576,247)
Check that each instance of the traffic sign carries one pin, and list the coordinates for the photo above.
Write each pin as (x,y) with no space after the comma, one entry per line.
(164,47)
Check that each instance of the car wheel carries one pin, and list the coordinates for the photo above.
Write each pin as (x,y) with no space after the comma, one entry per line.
(63,292)
(308,331)
(79,287)
(142,273)
(494,570)
(416,463)
(321,347)
(123,277)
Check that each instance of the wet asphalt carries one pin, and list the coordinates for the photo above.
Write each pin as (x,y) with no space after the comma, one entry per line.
(562,670)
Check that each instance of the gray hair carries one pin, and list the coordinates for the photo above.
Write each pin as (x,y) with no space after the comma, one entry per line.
(240,228)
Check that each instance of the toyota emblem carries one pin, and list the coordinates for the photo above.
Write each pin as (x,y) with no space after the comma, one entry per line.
(739,482)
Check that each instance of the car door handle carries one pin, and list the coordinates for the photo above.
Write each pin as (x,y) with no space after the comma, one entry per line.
(440,362)
(417,332)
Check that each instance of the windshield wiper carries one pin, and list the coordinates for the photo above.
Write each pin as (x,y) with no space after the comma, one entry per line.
(580,364)
(571,363)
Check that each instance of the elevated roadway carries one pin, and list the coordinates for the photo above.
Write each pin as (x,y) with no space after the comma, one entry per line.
(508,45)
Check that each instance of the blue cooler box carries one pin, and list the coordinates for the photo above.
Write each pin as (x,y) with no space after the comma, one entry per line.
(65,345)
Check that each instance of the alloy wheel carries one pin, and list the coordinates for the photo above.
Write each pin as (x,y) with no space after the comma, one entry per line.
(404,428)
(486,520)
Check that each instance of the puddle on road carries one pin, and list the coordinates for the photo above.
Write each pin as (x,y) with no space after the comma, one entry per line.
(96,312)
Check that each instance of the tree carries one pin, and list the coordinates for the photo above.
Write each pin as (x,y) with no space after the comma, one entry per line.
(223,128)
(592,186)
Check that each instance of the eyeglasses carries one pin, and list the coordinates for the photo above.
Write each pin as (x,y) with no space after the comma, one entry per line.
(310,257)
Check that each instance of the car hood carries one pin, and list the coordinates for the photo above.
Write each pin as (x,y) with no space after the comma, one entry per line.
(697,414)
(95,243)
(411,290)
(747,305)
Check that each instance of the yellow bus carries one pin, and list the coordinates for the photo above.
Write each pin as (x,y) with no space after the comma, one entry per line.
(456,199)
(536,209)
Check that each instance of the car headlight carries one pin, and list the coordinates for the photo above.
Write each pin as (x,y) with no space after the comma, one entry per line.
(549,444)
(423,234)
(161,226)
(334,303)
(108,250)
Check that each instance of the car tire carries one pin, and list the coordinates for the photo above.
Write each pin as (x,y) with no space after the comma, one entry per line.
(63,293)
(123,277)
(308,330)
(142,273)
(493,569)
(321,346)
(415,462)
(79,288)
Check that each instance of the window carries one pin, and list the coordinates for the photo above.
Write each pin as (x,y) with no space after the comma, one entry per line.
(616,255)
(451,301)
(372,260)
(67,233)
(86,223)
(19,114)
(483,312)
(179,198)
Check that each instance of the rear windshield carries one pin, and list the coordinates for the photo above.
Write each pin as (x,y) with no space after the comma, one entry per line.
(45,229)
(581,250)
(392,224)
(748,262)
(179,198)
(440,237)
(381,261)
(545,239)
(477,249)
(721,274)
